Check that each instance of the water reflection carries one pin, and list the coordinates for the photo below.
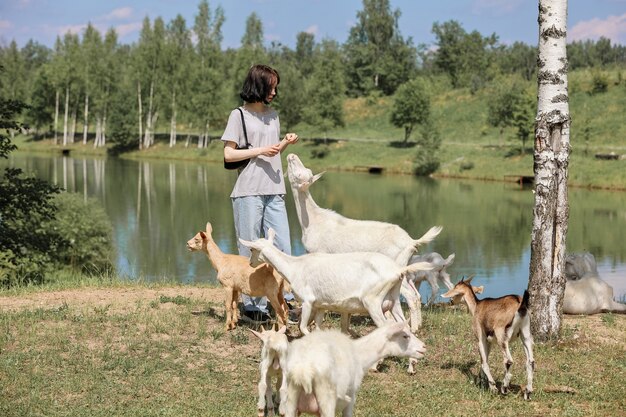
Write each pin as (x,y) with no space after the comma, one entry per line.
(157,206)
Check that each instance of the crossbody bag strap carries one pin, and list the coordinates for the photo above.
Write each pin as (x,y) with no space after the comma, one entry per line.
(243,123)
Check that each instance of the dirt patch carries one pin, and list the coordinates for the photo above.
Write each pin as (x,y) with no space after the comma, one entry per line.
(117,300)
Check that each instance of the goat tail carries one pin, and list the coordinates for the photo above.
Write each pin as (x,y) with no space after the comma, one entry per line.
(449,259)
(432,233)
(523,307)
(303,376)
(417,266)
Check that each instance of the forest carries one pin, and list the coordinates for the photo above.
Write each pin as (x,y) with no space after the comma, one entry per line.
(178,80)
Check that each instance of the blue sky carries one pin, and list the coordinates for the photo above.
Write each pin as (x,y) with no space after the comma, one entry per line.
(511,20)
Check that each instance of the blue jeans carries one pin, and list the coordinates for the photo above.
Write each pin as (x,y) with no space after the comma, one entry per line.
(254,215)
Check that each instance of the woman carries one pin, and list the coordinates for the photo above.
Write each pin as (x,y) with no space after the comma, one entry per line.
(259,194)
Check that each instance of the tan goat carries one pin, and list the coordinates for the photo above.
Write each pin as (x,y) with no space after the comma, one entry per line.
(504,319)
(238,277)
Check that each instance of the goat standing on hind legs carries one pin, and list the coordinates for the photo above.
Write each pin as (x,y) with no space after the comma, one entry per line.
(503,318)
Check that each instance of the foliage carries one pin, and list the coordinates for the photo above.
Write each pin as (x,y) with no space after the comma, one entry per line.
(426,159)
(324,107)
(411,106)
(377,56)
(511,105)
(600,84)
(25,203)
(467,58)
(87,232)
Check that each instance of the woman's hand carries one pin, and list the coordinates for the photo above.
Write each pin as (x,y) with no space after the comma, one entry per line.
(270,150)
(291,138)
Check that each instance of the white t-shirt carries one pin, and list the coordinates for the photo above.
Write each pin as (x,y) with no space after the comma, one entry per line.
(263,175)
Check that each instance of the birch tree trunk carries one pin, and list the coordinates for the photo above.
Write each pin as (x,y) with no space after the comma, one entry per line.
(73,125)
(67,105)
(56,117)
(551,158)
(173,121)
(86,120)
(148,132)
(140,114)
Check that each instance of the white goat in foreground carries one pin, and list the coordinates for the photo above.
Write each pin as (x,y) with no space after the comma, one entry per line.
(504,318)
(326,231)
(325,368)
(273,364)
(585,291)
(348,283)
(237,276)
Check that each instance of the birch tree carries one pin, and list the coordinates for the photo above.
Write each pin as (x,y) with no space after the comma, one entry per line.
(551,158)
(91,50)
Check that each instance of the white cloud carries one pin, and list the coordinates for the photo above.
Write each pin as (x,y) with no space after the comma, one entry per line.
(75,29)
(5,25)
(613,28)
(121,13)
(312,30)
(128,28)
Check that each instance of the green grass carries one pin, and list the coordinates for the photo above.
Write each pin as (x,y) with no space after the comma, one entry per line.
(160,357)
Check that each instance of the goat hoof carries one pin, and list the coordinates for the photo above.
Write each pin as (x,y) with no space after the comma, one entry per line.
(527,395)
(504,390)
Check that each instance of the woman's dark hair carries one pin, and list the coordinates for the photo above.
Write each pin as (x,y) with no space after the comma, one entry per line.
(258,84)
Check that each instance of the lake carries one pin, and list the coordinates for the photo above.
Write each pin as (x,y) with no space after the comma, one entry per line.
(156,206)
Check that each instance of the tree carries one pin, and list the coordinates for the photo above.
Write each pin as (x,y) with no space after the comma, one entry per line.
(253,36)
(551,159)
(26,245)
(324,91)
(411,106)
(511,105)
(377,57)
(465,57)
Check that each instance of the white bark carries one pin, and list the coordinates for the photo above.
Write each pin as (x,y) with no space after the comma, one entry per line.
(73,126)
(149,116)
(56,117)
(86,119)
(173,121)
(140,114)
(67,109)
(551,157)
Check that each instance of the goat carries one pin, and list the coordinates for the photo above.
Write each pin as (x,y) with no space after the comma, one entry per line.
(504,318)
(238,277)
(348,283)
(325,368)
(273,364)
(438,273)
(585,291)
(326,231)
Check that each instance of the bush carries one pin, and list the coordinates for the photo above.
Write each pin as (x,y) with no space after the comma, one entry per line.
(87,233)
(599,84)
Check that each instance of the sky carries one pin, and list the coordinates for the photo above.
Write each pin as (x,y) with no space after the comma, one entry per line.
(511,20)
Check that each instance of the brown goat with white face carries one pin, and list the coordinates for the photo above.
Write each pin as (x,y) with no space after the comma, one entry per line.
(238,277)
(501,319)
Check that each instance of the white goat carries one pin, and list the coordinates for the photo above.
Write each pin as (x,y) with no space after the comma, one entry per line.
(503,318)
(325,368)
(348,283)
(585,291)
(237,276)
(326,231)
(273,364)
(438,273)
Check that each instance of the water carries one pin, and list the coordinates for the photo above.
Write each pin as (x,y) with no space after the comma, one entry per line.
(157,206)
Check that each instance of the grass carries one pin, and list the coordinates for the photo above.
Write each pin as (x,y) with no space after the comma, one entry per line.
(166,353)
(470,147)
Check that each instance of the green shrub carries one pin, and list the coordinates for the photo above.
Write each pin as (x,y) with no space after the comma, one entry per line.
(599,84)
(87,233)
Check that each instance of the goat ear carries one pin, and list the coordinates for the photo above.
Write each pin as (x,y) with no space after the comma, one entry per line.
(470,278)
(317,177)
(246,243)
(282,330)
(209,228)
(270,235)
(203,235)
(257,334)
